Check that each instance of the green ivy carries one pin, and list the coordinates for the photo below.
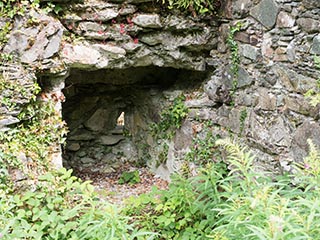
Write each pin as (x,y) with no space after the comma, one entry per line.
(203,149)
(171,119)
(235,58)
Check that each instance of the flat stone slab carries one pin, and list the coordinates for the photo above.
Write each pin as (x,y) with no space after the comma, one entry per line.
(111,139)
(266,13)
(147,20)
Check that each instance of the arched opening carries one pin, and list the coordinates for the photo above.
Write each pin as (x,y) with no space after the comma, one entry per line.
(109,112)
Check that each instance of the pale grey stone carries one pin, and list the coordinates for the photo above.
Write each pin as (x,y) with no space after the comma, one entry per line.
(267,100)
(8,120)
(91,26)
(101,15)
(80,56)
(266,13)
(244,78)
(53,46)
(249,51)
(285,20)
(183,137)
(128,9)
(299,147)
(316,45)
(110,51)
(147,20)
(98,120)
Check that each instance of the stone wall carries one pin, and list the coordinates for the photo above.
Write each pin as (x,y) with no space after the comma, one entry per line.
(267,110)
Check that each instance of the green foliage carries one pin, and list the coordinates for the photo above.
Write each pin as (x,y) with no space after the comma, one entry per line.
(174,215)
(130,177)
(203,149)
(232,201)
(171,119)
(314,94)
(10,8)
(28,144)
(34,137)
(61,207)
(235,58)
(195,6)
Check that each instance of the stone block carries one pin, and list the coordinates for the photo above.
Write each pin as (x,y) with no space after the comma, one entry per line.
(285,20)
(299,146)
(309,25)
(98,120)
(103,15)
(249,51)
(80,56)
(315,49)
(110,140)
(267,101)
(147,20)
(266,13)
(294,81)
(244,78)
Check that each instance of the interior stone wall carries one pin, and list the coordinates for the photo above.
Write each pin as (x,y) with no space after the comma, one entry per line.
(268,111)
(95,140)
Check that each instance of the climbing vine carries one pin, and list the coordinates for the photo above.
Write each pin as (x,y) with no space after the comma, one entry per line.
(29,142)
(171,119)
(235,58)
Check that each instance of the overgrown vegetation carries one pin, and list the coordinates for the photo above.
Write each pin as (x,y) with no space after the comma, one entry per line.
(170,119)
(230,200)
(28,144)
(61,207)
(204,149)
(235,58)
(43,203)
(195,6)
(130,177)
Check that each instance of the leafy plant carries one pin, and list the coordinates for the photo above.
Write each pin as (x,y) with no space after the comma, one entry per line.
(61,207)
(195,6)
(235,58)
(130,177)
(203,149)
(171,119)
(230,200)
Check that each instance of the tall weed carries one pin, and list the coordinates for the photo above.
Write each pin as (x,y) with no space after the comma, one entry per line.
(229,200)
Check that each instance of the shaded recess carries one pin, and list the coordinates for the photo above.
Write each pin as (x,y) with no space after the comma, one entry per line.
(108,113)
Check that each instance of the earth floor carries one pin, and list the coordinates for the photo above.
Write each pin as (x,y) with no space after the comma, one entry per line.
(108,187)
